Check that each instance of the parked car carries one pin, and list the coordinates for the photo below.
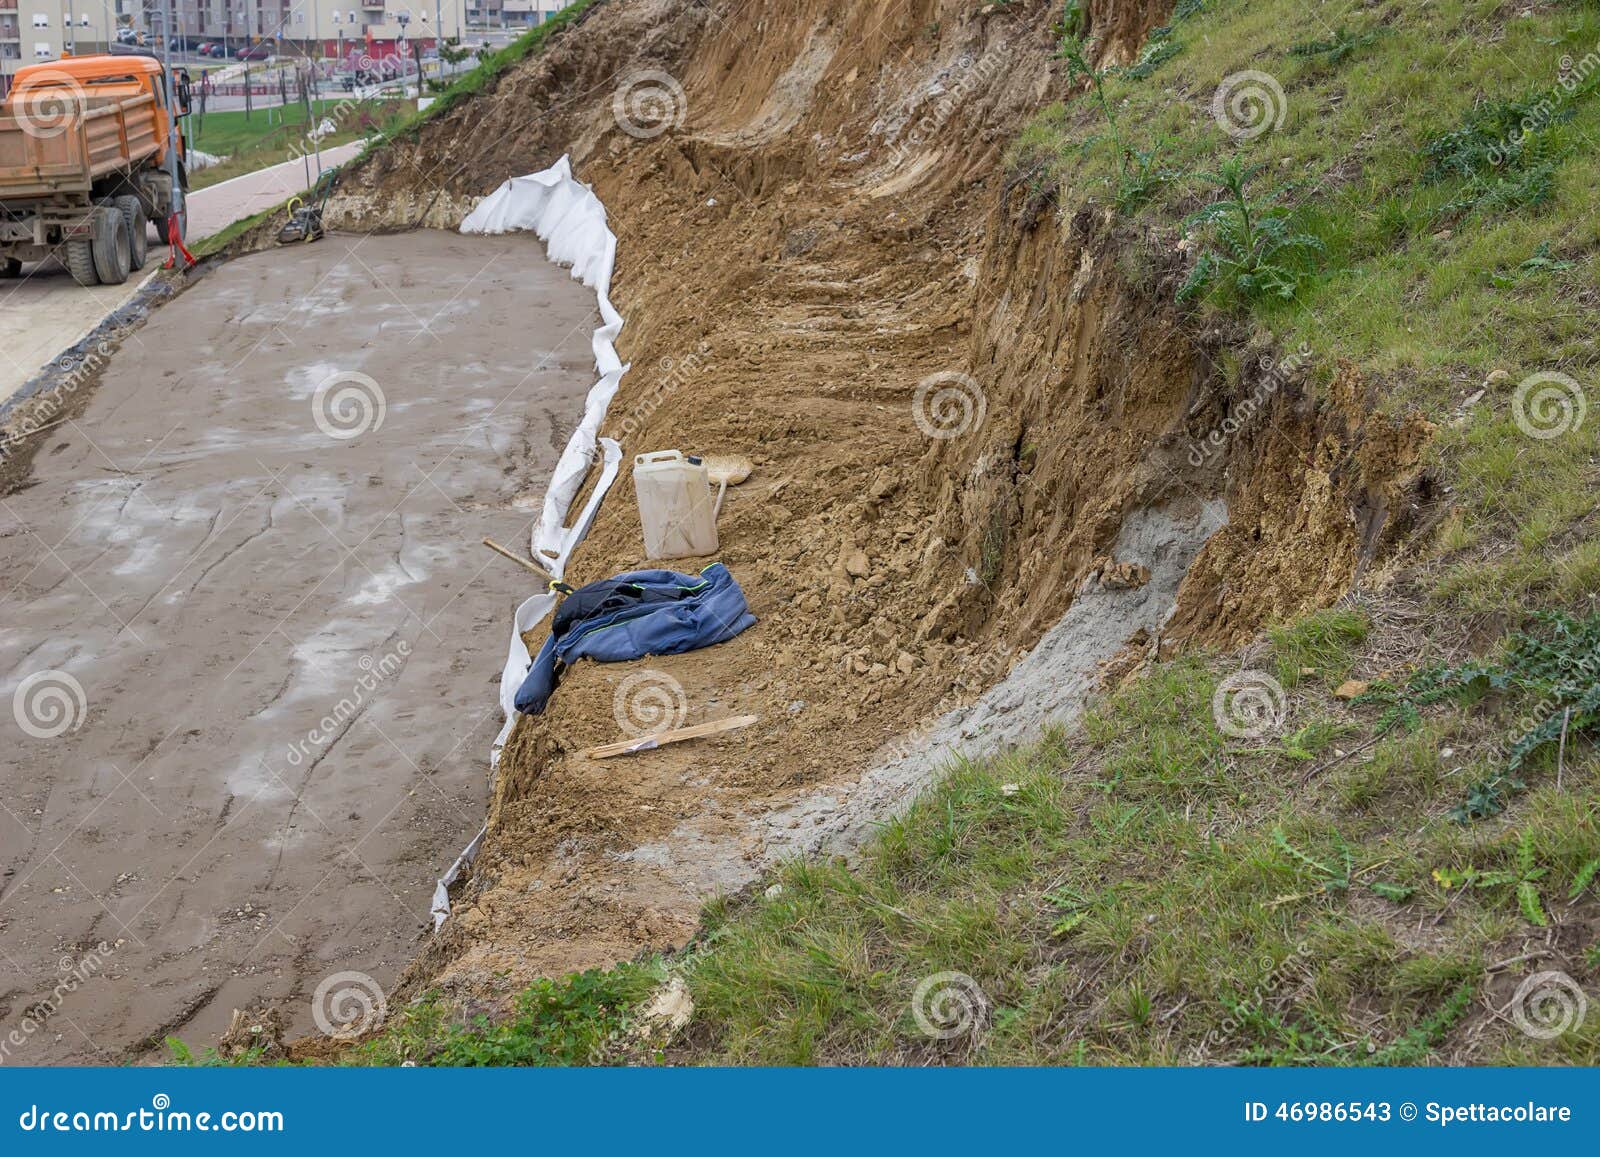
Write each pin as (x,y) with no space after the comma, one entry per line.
(261,51)
(203,48)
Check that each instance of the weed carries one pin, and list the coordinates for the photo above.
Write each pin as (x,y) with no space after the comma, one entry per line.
(1160,46)
(1523,879)
(1540,263)
(1139,174)
(1332,877)
(1584,878)
(579,1019)
(1256,251)
(1559,669)
(1336,48)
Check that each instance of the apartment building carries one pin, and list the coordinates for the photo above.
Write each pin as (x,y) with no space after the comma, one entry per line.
(38,30)
(512,13)
(35,30)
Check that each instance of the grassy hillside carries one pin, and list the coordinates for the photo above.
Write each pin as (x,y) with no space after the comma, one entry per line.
(1419,181)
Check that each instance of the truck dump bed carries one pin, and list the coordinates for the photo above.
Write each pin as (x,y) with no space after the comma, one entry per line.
(48,148)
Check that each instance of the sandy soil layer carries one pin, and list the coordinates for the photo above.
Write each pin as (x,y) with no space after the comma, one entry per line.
(249,636)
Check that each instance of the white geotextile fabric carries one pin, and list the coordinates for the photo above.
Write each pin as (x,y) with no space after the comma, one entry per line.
(571,221)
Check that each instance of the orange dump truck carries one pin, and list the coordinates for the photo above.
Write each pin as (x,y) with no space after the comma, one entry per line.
(90,153)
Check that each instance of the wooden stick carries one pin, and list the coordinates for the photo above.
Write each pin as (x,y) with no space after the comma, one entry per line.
(525,564)
(1561,753)
(662,738)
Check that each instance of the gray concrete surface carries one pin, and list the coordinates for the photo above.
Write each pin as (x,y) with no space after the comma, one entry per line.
(271,651)
(45,311)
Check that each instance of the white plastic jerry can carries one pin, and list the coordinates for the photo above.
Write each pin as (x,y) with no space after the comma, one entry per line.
(675,505)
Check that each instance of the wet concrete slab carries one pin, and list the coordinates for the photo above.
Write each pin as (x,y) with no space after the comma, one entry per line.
(44,311)
(250,641)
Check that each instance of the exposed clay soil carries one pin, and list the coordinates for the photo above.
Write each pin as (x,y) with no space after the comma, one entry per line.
(287,642)
(829,226)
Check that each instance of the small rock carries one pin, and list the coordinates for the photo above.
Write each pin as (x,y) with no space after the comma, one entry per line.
(905,662)
(1496,376)
(856,565)
(1010,788)
(1350,688)
(773,892)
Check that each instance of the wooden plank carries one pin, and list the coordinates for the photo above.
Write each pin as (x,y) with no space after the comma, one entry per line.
(662,738)
(525,564)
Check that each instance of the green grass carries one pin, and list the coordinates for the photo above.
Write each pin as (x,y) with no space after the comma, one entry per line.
(247,146)
(226,132)
(1322,642)
(581,1019)
(1148,893)
(1434,268)
(221,239)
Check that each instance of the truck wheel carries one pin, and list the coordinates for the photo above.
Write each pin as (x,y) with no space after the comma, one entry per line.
(138,229)
(79,258)
(113,256)
(10,267)
(179,206)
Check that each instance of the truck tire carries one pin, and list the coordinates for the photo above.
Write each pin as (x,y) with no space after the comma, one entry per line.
(78,256)
(10,267)
(179,206)
(138,229)
(113,253)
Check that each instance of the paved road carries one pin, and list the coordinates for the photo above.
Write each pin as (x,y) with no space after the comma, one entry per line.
(46,311)
(219,206)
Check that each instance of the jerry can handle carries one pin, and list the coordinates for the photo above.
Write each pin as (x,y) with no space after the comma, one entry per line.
(657,456)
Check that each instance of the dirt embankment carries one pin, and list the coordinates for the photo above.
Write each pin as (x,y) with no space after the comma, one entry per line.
(953,399)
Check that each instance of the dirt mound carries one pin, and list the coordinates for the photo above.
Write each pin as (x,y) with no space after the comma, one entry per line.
(953,400)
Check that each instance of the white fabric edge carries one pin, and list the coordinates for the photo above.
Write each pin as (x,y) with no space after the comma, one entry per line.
(571,221)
